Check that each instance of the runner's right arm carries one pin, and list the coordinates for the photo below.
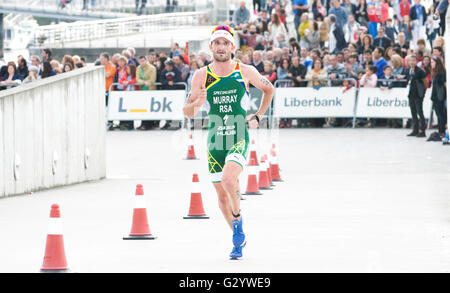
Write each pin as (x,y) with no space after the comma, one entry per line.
(197,95)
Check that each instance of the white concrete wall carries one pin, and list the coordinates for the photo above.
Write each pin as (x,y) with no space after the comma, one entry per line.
(57,117)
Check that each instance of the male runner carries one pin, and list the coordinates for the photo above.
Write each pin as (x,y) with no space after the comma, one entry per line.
(223,86)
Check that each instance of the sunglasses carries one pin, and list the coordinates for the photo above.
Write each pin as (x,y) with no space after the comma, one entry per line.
(224,28)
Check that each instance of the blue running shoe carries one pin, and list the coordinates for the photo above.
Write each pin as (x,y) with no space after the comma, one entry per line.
(236,253)
(238,234)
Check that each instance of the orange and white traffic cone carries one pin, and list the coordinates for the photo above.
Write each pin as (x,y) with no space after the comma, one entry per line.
(140,230)
(253,154)
(263,178)
(252,182)
(196,210)
(274,168)
(55,256)
(191,151)
(269,175)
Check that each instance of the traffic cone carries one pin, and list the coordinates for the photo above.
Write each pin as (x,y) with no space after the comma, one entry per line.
(191,151)
(140,230)
(252,182)
(253,154)
(269,175)
(263,178)
(274,168)
(196,210)
(55,256)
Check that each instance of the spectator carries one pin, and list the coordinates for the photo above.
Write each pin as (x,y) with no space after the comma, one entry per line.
(441,11)
(318,9)
(56,67)
(390,30)
(418,17)
(184,69)
(317,75)
(22,69)
(404,7)
(369,79)
(418,83)
(425,65)
(33,74)
(421,47)
(127,55)
(241,15)
(349,7)
(336,71)
(352,29)
(305,59)
(402,42)
(76,59)
(174,50)
(367,59)
(128,80)
(339,12)
(405,28)
(280,42)
(110,71)
(194,67)
(337,38)
(366,44)
(170,75)
(384,11)
(378,60)
(121,72)
(132,53)
(324,31)
(398,71)
(46,54)
(312,36)
(438,52)
(36,61)
(275,27)
(374,13)
(299,7)
(250,36)
(11,78)
(305,24)
(387,80)
(297,72)
(283,69)
(432,25)
(67,67)
(47,70)
(361,15)
(146,74)
(382,40)
(439,93)
(269,72)
(353,68)
(68,59)
(258,61)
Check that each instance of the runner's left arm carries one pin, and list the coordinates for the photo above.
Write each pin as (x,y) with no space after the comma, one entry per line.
(262,83)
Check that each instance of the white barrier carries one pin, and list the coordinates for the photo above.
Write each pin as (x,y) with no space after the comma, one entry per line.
(389,103)
(307,102)
(52,132)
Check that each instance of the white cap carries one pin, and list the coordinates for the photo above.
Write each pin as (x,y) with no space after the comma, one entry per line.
(222,34)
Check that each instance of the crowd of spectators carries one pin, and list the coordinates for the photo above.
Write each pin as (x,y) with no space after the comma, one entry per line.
(378,43)
(23,71)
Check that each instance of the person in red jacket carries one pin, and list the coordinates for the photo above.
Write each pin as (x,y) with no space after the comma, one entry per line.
(129,78)
(268,72)
(384,11)
(404,7)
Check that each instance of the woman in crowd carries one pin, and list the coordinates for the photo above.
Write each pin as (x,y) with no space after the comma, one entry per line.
(304,25)
(366,44)
(33,74)
(129,79)
(275,28)
(317,75)
(283,69)
(361,13)
(398,70)
(312,36)
(122,72)
(324,30)
(68,59)
(439,93)
(47,70)
(67,67)
(425,64)
(318,9)
(11,78)
(269,72)
(22,69)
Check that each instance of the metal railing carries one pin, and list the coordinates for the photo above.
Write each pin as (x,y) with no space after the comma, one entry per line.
(107,28)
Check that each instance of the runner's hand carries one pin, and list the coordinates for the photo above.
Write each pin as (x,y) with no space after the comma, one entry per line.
(252,122)
(201,97)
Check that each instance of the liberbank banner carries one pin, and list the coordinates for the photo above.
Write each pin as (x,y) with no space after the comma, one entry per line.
(389,103)
(146,105)
(311,103)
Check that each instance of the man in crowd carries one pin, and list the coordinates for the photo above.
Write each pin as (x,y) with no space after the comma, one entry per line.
(297,72)
(382,40)
(257,61)
(184,69)
(241,15)
(146,77)
(379,61)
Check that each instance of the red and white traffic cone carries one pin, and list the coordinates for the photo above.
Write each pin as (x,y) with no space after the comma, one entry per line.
(274,168)
(191,151)
(269,175)
(196,210)
(55,256)
(140,230)
(252,182)
(263,178)
(253,154)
